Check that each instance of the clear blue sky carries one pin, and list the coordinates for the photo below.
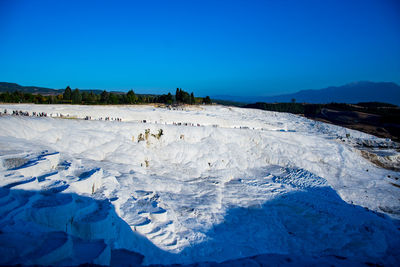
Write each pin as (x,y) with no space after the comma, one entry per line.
(209,47)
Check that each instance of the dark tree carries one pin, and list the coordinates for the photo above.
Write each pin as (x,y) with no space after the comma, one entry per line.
(182,96)
(67,93)
(185,97)
(178,95)
(104,97)
(170,99)
(113,99)
(207,100)
(39,99)
(92,97)
(76,97)
(85,97)
(131,97)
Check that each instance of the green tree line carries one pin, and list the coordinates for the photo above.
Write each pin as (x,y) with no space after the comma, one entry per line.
(89,98)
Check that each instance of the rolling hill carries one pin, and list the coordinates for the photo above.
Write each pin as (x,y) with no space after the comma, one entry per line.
(12,87)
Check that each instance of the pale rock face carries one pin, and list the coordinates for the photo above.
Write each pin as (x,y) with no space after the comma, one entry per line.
(218,184)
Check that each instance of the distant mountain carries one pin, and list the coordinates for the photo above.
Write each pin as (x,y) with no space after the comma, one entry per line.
(356,92)
(12,87)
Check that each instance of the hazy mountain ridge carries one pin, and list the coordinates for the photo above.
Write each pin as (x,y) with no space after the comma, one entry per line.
(12,87)
(364,91)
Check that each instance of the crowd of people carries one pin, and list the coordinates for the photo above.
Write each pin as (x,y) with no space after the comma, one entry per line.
(25,113)
(55,115)
(60,115)
(185,124)
(110,119)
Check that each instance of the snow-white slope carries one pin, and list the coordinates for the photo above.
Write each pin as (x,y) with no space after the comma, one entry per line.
(232,183)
